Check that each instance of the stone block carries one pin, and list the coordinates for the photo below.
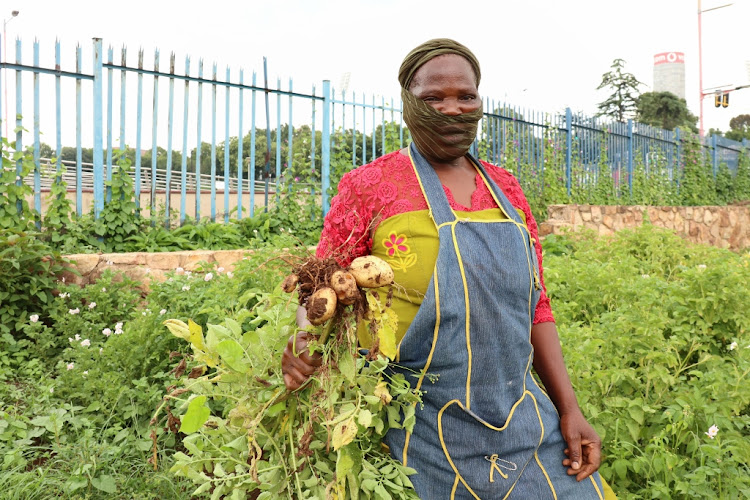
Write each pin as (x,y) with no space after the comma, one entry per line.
(707,216)
(608,221)
(228,258)
(596,214)
(585,216)
(84,263)
(190,261)
(167,261)
(724,218)
(125,259)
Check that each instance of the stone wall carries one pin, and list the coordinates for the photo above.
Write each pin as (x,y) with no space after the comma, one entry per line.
(145,267)
(724,227)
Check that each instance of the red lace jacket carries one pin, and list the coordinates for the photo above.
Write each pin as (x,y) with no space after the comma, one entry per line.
(388,186)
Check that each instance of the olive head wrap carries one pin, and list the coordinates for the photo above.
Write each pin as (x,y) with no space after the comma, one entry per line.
(423,120)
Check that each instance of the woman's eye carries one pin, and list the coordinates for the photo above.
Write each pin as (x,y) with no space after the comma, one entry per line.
(429,99)
(468,97)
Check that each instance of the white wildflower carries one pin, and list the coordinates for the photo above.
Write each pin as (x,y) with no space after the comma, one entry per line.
(107,332)
(85,342)
(104,289)
(92,305)
(74,311)
(63,279)
(70,339)
(34,318)
(230,274)
(77,337)
(701,266)
(118,326)
(644,276)
(51,390)
(733,346)
(85,372)
(712,431)
(185,288)
(208,277)
(220,270)
(101,350)
(179,270)
(162,312)
(64,295)
(71,366)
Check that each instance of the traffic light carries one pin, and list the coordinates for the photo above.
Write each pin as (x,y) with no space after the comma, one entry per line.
(717,100)
(725,100)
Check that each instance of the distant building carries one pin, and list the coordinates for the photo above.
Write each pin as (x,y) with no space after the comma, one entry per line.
(669,73)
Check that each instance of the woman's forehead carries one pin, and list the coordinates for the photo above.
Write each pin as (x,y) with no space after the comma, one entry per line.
(442,65)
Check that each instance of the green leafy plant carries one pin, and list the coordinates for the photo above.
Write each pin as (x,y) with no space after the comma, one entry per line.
(658,346)
(29,269)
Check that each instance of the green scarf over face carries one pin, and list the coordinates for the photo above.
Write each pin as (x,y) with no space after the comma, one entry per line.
(422,119)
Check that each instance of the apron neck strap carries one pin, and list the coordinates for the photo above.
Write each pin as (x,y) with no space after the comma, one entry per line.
(437,201)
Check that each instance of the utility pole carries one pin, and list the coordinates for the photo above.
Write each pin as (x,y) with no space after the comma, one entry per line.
(700,60)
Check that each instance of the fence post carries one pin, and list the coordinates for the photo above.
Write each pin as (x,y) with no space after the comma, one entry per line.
(19,126)
(568,148)
(714,156)
(630,157)
(325,159)
(98,151)
(677,169)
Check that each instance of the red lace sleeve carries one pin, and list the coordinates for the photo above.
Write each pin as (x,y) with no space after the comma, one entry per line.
(514,192)
(345,234)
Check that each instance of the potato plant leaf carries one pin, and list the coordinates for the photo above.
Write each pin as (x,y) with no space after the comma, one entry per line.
(196,416)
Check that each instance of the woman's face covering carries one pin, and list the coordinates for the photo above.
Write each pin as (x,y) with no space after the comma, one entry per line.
(447,83)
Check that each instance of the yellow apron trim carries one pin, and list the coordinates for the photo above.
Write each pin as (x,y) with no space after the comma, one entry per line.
(467,315)
(546,476)
(510,416)
(596,487)
(427,363)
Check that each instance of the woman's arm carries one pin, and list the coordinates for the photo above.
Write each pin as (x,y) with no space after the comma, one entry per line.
(584,444)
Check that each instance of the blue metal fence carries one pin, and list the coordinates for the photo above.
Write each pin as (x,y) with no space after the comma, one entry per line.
(509,135)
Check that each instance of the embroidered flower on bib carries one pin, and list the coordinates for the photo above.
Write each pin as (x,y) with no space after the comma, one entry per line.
(399,256)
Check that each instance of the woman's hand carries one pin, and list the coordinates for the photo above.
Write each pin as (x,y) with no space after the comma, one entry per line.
(297,364)
(584,449)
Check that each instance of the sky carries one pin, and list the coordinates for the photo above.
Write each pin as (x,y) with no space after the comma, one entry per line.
(544,55)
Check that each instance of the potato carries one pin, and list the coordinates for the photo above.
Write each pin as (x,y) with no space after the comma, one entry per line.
(290,283)
(345,286)
(371,272)
(321,306)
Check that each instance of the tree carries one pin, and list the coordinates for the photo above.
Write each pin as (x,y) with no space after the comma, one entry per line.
(739,128)
(621,105)
(665,110)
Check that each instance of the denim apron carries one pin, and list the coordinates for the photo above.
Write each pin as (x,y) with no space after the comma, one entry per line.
(485,429)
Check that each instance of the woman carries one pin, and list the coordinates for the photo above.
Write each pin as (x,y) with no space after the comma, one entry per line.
(471,302)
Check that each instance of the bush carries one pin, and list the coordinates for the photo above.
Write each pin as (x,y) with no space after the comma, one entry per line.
(657,340)
(29,270)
